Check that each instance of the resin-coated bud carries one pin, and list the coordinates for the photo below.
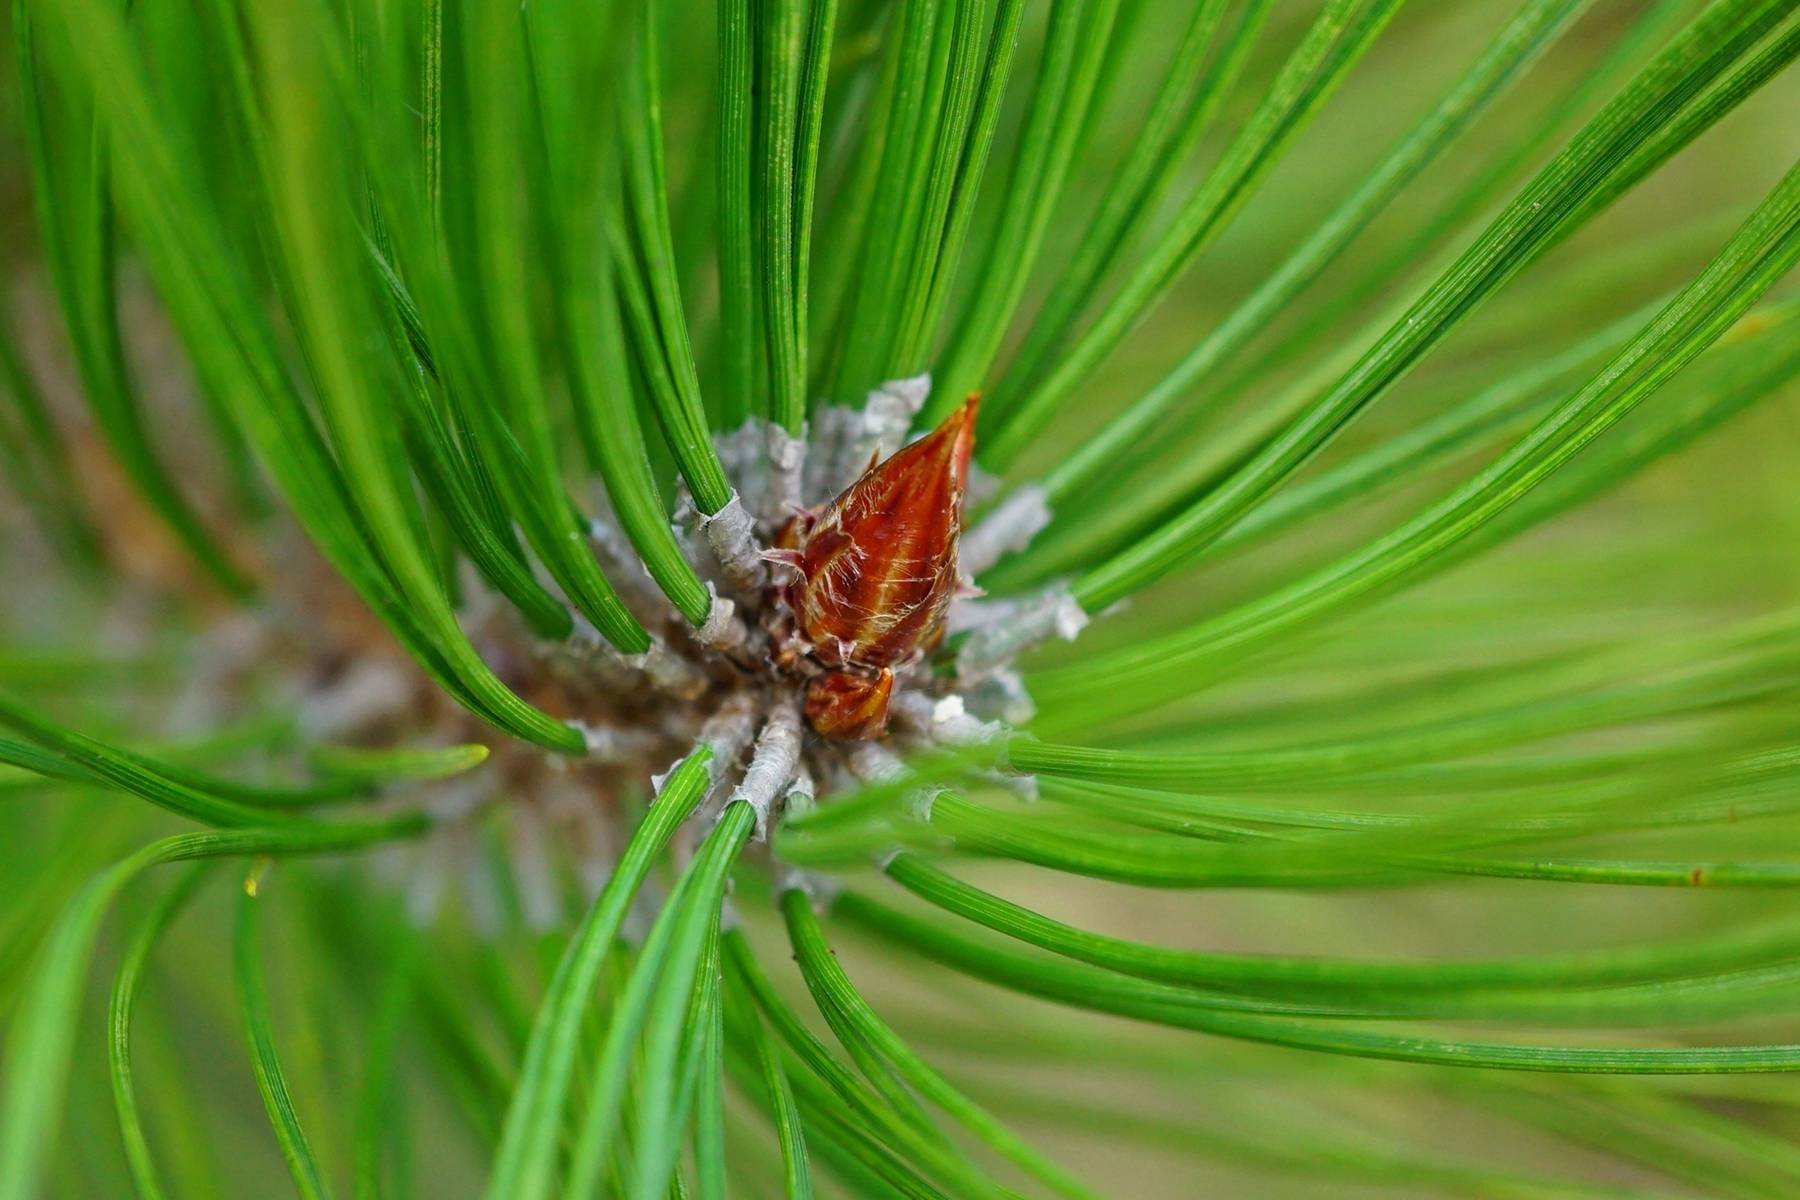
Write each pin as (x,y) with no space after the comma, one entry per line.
(876,573)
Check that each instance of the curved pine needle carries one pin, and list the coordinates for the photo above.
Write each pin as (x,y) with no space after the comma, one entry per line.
(1702,53)
(523,1163)
(138,1155)
(41,1039)
(1084,987)
(253,999)
(790,1131)
(1364,787)
(848,1013)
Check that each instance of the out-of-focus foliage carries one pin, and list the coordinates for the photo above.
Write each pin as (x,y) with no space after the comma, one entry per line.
(1406,392)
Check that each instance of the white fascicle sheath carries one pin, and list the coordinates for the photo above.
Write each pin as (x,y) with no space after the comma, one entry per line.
(667,671)
(787,474)
(1054,611)
(611,744)
(1006,530)
(874,763)
(846,439)
(944,719)
(889,411)
(728,731)
(772,764)
(722,631)
(732,535)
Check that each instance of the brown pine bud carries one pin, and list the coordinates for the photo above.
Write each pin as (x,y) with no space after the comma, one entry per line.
(877,568)
(854,707)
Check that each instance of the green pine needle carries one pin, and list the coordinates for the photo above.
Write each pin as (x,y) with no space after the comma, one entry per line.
(1368,762)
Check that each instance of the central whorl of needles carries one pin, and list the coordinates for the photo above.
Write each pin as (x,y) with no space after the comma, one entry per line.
(746,681)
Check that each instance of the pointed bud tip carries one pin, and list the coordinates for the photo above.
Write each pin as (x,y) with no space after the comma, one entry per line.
(952,443)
